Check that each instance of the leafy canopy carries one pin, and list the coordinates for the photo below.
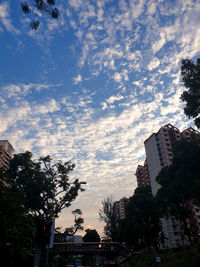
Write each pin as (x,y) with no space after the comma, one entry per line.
(38,6)
(142,224)
(190,73)
(78,221)
(180,184)
(44,187)
(16,229)
(28,189)
(109,215)
(91,236)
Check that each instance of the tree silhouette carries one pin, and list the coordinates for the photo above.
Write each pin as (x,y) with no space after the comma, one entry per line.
(78,221)
(30,188)
(109,215)
(91,236)
(141,226)
(45,187)
(190,73)
(35,6)
(180,185)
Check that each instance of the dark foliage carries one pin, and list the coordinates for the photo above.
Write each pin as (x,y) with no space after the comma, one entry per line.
(190,73)
(16,229)
(141,227)
(91,236)
(109,215)
(28,189)
(78,222)
(45,6)
(180,184)
(35,24)
(44,187)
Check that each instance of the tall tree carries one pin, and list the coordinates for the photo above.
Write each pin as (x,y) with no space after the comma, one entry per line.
(190,73)
(91,236)
(141,226)
(45,187)
(28,189)
(38,6)
(180,184)
(109,215)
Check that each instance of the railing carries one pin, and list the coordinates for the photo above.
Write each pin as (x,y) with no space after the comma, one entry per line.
(85,248)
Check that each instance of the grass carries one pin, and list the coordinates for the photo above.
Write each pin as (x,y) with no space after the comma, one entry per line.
(181,257)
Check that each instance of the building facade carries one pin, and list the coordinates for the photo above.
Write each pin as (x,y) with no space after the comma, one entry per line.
(120,206)
(6,153)
(142,174)
(159,153)
(159,149)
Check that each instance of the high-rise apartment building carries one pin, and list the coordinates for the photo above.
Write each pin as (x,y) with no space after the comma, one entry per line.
(120,206)
(159,147)
(142,174)
(6,153)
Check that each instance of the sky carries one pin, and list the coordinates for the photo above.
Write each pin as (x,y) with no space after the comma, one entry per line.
(92,85)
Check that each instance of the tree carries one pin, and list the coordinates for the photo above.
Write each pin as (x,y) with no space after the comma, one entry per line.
(91,236)
(16,229)
(59,236)
(28,189)
(78,221)
(45,187)
(109,215)
(141,226)
(180,184)
(35,6)
(190,73)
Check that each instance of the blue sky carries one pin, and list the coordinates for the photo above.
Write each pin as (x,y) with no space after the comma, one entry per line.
(93,85)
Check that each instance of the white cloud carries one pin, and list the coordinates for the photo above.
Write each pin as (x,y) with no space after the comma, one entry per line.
(76,3)
(151,8)
(154,63)
(20,90)
(136,9)
(159,44)
(112,99)
(117,77)
(5,18)
(78,79)
(49,107)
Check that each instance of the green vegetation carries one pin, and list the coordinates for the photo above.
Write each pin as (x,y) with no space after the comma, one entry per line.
(37,7)
(181,257)
(91,236)
(190,73)
(29,189)
(180,185)
(109,215)
(78,222)
(141,226)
